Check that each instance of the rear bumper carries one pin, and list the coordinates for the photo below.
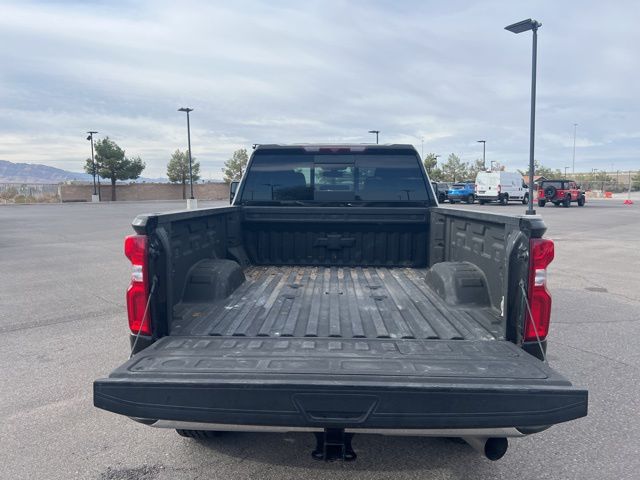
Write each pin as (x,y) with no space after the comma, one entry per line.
(433,432)
(459,197)
(488,198)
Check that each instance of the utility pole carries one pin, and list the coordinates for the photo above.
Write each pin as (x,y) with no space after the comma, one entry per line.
(524,26)
(484,162)
(376,132)
(573,164)
(628,201)
(96,196)
(192,203)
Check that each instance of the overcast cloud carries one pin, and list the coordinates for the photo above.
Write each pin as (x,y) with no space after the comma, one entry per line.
(284,72)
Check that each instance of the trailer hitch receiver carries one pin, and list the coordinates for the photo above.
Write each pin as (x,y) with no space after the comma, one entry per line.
(333,444)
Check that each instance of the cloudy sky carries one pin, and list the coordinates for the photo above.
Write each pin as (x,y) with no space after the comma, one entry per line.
(284,72)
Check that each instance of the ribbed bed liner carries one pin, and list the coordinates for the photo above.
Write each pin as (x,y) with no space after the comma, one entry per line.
(339,302)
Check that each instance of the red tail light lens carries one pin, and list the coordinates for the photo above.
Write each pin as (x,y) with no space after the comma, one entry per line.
(537,324)
(136,249)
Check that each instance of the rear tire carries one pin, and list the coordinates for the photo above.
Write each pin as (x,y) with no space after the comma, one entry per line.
(581,201)
(504,199)
(567,201)
(482,202)
(541,203)
(198,434)
(525,199)
(471,199)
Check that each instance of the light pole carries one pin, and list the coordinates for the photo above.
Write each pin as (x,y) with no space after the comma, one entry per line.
(573,164)
(422,148)
(187,110)
(525,26)
(565,172)
(376,132)
(484,144)
(96,196)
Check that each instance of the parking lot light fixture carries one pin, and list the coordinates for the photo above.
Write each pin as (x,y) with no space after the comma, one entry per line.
(187,110)
(484,161)
(520,27)
(376,132)
(565,172)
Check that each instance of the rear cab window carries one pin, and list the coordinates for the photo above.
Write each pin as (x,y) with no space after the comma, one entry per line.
(296,176)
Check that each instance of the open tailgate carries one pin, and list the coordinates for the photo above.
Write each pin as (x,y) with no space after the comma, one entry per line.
(324,382)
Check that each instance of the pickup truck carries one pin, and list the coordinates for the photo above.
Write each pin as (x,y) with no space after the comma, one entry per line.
(334,296)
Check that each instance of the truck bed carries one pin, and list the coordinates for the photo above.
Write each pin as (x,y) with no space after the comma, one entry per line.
(334,324)
(336,302)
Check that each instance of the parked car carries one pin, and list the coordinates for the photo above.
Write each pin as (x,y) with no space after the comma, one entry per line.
(440,189)
(462,192)
(560,192)
(500,187)
(333,297)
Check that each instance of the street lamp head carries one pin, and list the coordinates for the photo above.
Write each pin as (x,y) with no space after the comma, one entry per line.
(374,131)
(524,26)
(185,109)
(481,141)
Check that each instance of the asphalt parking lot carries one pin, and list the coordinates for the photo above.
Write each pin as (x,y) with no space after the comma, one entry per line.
(63,324)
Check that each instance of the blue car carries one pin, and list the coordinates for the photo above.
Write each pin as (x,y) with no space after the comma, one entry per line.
(462,192)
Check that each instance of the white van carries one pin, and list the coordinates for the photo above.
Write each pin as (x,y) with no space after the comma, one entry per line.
(500,187)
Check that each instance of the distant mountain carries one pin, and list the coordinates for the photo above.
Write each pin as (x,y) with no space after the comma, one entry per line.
(35,173)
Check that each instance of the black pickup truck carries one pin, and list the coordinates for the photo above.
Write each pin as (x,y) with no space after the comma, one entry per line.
(333,296)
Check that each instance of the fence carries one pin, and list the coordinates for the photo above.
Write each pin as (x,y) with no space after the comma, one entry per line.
(29,193)
(616,182)
(144,192)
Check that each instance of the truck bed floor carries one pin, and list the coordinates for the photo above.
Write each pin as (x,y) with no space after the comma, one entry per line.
(340,302)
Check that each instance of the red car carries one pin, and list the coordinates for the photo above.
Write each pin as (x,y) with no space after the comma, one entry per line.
(560,192)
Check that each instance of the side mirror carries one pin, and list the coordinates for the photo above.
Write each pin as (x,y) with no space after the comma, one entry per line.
(233,188)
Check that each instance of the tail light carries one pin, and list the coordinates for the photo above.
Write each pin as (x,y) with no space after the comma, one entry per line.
(136,249)
(537,324)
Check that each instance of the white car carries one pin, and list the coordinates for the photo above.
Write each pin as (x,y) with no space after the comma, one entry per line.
(500,187)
